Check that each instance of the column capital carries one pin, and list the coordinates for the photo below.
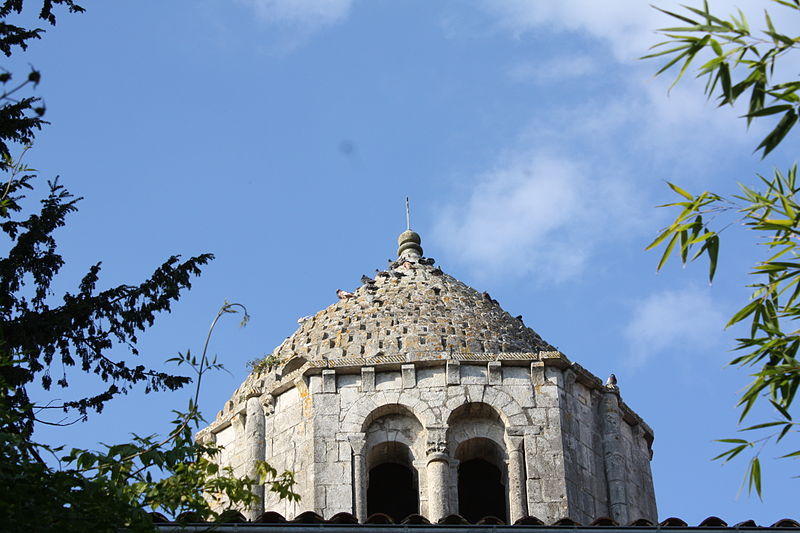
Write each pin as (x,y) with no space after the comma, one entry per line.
(437,456)
(437,440)
(357,442)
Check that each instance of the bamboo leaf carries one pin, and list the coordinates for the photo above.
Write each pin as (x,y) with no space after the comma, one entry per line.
(667,251)
(680,191)
(778,133)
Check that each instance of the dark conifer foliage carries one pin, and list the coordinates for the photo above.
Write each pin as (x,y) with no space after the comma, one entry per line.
(39,331)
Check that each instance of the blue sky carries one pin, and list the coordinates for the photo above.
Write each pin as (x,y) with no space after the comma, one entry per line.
(284,136)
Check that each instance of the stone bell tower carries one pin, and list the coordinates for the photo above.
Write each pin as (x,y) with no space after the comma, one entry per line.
(419,394)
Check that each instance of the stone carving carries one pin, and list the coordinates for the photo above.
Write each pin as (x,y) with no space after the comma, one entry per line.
(434,446)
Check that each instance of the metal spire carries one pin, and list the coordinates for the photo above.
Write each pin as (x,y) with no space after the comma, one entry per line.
(408,215)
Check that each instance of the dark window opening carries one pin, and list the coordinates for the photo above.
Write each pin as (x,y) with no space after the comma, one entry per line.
(392,491)
(480,491)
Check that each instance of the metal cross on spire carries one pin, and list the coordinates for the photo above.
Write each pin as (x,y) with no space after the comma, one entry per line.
(408,215)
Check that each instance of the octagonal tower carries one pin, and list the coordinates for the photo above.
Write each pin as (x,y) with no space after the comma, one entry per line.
(419,394)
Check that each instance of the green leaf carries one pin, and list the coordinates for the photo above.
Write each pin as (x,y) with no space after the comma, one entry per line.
(713,254)
(667,251)
(774,137)
(755,475)
(743,313)
(680,191)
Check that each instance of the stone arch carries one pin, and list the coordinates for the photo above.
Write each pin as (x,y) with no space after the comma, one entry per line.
(394,443)
(476,438)
(394,423)
(355,419)
(506,406)
(476,420)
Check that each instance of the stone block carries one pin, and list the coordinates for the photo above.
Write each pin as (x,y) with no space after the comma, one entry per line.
(332,473)
(367,379)
(328,381)
(453,373)
(338,498)
(473,374)
(409,376)
(495,371)
(344,451)
(387,381)
(432,377)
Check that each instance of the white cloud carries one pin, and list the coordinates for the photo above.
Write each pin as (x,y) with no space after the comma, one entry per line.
(553,70)
(306,15)
(628,26)
(535,212)
(673,320)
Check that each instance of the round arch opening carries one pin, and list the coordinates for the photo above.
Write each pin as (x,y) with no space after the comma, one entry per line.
(392,481)
(482,480)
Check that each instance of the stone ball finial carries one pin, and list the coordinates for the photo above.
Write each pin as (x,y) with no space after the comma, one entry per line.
(408,243)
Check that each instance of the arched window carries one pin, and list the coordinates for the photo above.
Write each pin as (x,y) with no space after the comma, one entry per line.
(392,486)
(482,480)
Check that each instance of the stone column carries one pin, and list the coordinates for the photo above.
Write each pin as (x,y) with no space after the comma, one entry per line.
(613,458)
(517,497)
(255,442)
(438,473)
(357,444)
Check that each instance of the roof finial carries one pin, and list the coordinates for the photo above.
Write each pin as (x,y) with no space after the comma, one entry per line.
(409,241)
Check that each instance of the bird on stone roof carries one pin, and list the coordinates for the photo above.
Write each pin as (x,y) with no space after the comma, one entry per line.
(366,280)
(381,273)
(611,381)
(343,295)
(519,317)
(398,275)
(427,261)
(437,271)
(488,298)
(393,263)
(304,319)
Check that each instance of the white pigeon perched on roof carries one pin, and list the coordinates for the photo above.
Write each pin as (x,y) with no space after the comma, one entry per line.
(304,319)
(611,381)
(343,295)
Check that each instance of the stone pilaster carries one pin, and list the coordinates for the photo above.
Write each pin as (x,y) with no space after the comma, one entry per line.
(357,443)
(255,441)
(613,458)
(517,495)
(438,473)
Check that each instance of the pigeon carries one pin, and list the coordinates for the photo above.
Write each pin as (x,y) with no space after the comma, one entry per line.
(381,273)
(427,261)
(304,319)
(398,275)
(366,280)
(343,295)
(611,381)
(437,271)
(519,317)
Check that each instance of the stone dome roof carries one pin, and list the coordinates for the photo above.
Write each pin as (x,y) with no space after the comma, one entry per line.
(411,308)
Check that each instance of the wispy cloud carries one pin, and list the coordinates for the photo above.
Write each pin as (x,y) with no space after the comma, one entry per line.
(556,69)
(673,320)
(535,212)
(306,16)
(628,26)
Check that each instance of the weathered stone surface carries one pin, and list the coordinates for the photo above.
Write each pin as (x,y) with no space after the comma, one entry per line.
(420,370)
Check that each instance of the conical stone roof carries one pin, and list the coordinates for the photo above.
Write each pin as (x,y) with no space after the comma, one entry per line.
(411,308)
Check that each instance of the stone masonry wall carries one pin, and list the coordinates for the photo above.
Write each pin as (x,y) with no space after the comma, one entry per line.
(568,446)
